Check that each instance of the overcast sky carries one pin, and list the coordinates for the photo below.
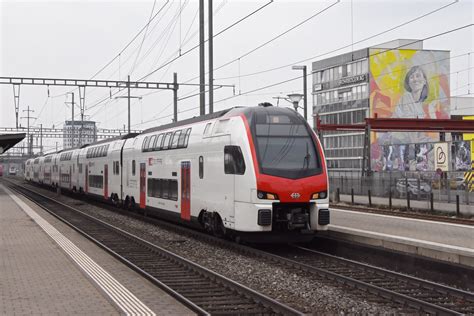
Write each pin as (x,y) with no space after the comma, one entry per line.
(75,39)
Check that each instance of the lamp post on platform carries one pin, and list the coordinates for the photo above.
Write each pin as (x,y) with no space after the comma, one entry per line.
(305,89)
(295,99)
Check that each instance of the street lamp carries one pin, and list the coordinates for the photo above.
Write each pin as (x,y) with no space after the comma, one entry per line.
(305,88)
(295,98)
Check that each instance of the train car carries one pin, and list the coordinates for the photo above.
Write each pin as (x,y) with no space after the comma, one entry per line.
(36,169)
(255,173)
(65,166)
(47,169)
(28,170)
(96,163)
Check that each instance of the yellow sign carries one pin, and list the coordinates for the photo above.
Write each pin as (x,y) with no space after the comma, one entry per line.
(468,136)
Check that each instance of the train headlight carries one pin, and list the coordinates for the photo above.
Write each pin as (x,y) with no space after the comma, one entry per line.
(267,196)
(319,195)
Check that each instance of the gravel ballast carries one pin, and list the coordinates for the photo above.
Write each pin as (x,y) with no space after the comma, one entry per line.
(303,292)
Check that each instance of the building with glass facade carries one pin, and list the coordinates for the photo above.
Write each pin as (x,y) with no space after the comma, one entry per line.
(84,133)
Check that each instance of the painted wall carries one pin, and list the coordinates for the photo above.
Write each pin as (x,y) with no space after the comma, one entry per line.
(407,84)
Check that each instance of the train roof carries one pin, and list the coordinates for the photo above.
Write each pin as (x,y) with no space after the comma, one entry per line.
(193,120)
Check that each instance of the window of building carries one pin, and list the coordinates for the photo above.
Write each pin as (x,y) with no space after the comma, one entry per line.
(349,70)
(317,77)
(365,68)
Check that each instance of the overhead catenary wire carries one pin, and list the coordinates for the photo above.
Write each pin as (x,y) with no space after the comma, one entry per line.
(278,36)
(342,47)
(143,39)
(131,41)
(194,47)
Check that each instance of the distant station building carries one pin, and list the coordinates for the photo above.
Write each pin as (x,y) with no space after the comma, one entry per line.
(397,79)
(79,134)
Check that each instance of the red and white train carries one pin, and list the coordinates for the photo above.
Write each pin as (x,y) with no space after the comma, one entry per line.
(256,173)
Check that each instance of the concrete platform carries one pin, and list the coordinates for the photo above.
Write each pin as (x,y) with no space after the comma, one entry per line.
(47,268)
(444,241)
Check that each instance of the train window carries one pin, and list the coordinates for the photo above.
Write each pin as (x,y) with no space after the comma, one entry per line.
(201,167)
(174,141)
(133,167)
(106,150)
(207,129)
(159,140)
(173,187)
(166,142)
(147,142)
(144,143)
(186,140)
(96,181)
(233,160)
(182,138)
(150,144)
(79,167)
(165,188)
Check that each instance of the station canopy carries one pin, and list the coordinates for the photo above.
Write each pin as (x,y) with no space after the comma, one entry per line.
(7,141)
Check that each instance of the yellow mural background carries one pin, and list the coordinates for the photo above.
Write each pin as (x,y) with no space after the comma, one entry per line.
(388,70)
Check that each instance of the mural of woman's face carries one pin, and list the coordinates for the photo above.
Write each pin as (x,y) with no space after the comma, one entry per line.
(416,81)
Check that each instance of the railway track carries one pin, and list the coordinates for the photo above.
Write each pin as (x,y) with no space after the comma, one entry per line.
(424,296)
(202,290)
(413,294)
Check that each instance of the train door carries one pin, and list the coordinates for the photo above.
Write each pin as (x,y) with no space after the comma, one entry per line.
(186,190)
(106,181)
(86,186)
(142,185)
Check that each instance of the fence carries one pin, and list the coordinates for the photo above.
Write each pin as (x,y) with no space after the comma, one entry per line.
(449,187)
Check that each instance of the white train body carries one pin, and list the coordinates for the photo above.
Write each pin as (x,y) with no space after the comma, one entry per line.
(243,171)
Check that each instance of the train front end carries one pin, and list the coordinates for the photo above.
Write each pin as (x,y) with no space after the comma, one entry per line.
(291,197)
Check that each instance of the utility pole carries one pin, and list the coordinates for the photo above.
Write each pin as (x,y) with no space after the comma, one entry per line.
(211,61)
(28,117)
(129,97)
(41,139)
(82,95)
(16,96)
(72,119)
(128,87)
(202,87)
(175,97)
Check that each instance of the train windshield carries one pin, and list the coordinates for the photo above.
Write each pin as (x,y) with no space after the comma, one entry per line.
(284,145)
